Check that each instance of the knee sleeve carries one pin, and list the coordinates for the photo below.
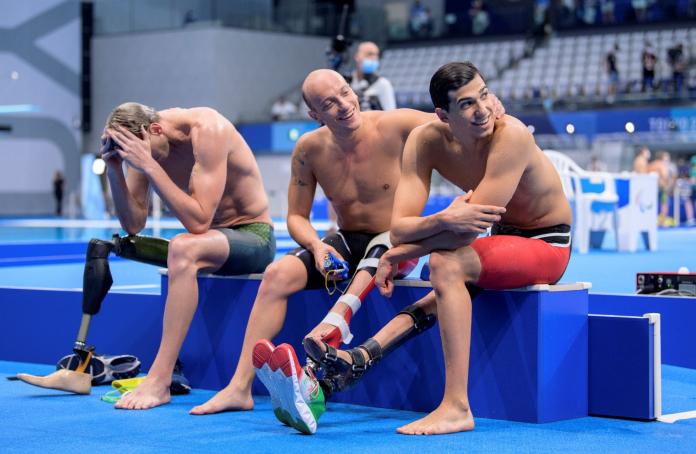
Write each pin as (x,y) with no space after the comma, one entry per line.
(375,249)
(144,249)
(97,279)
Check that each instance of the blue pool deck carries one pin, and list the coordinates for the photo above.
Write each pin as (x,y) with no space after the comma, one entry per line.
(608,271)
(36,420)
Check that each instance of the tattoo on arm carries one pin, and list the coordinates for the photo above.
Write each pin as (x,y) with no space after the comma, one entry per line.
(297,162)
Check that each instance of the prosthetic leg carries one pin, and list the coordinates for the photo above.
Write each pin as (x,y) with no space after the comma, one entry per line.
(297,396)
(375,249)
(340,374)
(96,282)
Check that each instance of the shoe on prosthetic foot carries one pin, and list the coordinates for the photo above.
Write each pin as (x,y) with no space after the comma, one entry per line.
(261,355)
(340,374)
(295,390)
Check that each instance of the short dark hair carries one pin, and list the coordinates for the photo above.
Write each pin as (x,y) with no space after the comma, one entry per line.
(450,77)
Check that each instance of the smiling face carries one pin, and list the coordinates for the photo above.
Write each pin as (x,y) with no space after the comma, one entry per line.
(461,100)
(331,101)
(470,110)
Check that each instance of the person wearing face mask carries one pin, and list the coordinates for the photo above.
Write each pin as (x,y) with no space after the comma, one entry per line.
(374,91)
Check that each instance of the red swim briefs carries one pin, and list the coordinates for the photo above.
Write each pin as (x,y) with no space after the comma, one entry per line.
(512,257)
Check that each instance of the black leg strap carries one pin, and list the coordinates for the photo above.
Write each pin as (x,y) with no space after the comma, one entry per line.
(339,374)
(422,321)
(373,349)
(359,366)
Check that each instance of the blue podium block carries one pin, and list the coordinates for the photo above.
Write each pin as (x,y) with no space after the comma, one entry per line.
(528,357)
(40,325)
(529,354)
(624,372)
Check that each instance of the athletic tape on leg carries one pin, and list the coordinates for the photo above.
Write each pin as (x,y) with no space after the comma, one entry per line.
(332,318)
(351,301)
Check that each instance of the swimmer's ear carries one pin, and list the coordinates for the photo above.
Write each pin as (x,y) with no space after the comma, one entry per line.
(154,129)
(312,115)
(442,115)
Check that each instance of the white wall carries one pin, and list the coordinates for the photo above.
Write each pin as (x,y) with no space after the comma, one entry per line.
(238,72)
(40,59)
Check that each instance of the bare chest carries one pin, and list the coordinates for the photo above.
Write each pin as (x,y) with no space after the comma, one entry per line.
(464,171)
(179,170)
(366,176)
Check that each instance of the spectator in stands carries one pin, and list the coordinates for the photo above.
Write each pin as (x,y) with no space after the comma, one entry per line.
(612,72)
(542,29)
(417,19)
(588,12)
(427,27)
(640,9)
(540,9)
(666,173)
(565,16)
(649,61)
(480,19)
(677,60)
(596,164)
(607,8)
(374,91)
(283,109)
(640,162)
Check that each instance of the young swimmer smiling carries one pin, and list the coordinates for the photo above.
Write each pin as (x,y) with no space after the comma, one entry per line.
(499,161)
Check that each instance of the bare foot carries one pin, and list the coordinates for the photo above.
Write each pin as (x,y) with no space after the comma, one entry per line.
(228,399)
(447,418)
(152,392)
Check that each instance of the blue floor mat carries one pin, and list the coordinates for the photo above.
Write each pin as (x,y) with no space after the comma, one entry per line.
(38,420)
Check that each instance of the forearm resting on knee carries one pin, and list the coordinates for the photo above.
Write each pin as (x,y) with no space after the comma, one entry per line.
(445,240)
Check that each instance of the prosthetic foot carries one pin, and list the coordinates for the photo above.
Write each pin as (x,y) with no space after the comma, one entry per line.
(297,398)
(79,371)
(340,374)
(61,380)
(73,381)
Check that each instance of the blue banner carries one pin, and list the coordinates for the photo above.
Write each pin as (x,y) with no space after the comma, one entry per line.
(281,137)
